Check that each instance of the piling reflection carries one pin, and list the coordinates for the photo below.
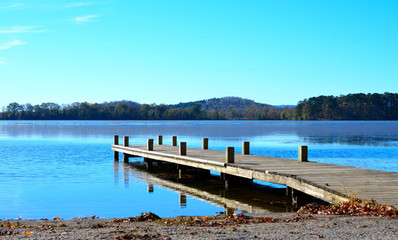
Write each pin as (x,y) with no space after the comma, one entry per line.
(150,187)
(116,173)
(250,199)
(126,175)
(183,200)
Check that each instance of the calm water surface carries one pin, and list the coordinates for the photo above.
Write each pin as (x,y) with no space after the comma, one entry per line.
(66,168)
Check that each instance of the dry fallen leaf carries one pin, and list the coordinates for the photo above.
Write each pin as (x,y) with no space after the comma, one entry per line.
(363,226)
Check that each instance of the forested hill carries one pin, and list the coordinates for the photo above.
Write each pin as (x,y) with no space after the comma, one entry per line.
(237,108)
(222,104)
(345,107)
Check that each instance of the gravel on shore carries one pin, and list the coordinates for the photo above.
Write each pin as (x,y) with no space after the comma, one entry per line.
(279,226)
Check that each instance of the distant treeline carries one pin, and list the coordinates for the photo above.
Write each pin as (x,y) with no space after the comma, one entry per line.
(349,107)
(212,109)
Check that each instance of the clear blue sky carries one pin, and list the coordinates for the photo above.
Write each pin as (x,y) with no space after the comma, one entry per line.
(171,51)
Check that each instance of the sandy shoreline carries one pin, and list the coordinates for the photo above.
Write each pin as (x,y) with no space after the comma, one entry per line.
(278,226)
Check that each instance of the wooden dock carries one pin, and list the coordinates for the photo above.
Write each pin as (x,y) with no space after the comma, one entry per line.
(329,182)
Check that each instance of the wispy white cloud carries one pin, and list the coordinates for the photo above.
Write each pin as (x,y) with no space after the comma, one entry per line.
(16,5)
(88,18)
(79,4)
(11,44)
(2,60)
(22,29)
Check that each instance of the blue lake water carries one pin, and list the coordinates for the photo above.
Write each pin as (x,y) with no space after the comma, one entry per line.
(66,168)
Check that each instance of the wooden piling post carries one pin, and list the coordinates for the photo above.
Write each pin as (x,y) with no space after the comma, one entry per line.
(160,140)
(230,155)
(150,145)
(116,142)
(174,141)
(205,143)
(126,144)
(303,154)
(148,163)
(289,191)
(295,198)
(222,176)
(126,141)
(181,170)
(245,148)
(183,148)
(179,173)
(226,184)
(229,211)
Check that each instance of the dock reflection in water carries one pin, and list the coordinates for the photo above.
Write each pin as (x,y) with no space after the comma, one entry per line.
(254,198)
